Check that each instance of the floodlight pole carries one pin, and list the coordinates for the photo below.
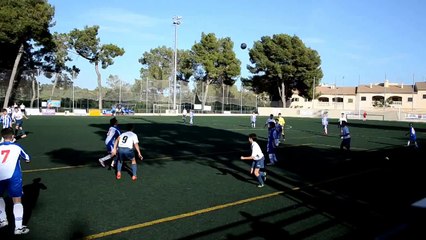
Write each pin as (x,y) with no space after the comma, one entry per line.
(73,93)
(176,22)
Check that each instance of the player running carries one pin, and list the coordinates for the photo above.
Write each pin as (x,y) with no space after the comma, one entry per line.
(258,164)
(112,135)
(18,117)
(11,180)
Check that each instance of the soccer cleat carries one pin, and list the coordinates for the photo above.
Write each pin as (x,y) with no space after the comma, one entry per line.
(134,178)
(270,164)
(260,185)
(102,163)
(118,175)
(22,230)
(4,223)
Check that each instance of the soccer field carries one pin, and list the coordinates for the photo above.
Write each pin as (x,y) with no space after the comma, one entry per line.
(193,185)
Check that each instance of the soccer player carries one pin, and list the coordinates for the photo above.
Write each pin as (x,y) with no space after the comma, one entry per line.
(6,121)
(126,143)
(271,147)
(191,117)
(11,180)
(278,132)
(258,158)
(281,121)
(253,119)
(345,136)
(324,122)
(413,137)
(112,135)
(18,116)
(184,112)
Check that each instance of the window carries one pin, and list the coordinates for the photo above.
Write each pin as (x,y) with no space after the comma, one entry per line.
(363,98)
(410,99)
(350,100)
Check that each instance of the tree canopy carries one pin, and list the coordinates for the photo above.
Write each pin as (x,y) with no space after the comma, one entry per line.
(216,61)
(281,64)
(87,44)
(22,23)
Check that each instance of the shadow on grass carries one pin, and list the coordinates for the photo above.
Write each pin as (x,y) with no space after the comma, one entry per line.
(364,192)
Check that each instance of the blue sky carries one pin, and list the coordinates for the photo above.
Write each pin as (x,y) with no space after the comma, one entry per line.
(358,41)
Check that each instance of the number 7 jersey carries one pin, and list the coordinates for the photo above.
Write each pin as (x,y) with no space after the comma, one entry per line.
(10,154)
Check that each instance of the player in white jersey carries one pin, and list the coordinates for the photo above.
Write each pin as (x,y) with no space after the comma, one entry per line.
(258,163)
(253,120)
(112,135)
(18,117)
(126,143)
(191,117)
(11,180)
(324,123)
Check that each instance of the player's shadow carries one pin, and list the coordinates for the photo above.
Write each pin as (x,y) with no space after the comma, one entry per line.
(29,202)
(264,230)
(30,197)
(233,173)
(74,157)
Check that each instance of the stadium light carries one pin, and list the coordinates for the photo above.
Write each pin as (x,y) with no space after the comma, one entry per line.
(176,22)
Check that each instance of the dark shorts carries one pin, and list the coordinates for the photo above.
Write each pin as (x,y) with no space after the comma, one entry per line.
(19,123)
(258,163)
(126,154)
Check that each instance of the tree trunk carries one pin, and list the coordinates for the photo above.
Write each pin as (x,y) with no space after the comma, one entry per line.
(223,97)
(205,93)
(33,90)
(99,84)
(12,76)
(54,85)
(283,97)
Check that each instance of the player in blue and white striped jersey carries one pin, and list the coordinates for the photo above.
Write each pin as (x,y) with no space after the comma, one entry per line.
(112,135)
(5,120)
(11,179)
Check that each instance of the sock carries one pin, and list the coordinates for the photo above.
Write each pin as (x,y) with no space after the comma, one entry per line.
(2,209)
(105,158)
(18,212)
(119,165)
(259,178)
(134,169)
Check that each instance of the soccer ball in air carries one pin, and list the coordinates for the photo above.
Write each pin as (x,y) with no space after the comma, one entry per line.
(243,46)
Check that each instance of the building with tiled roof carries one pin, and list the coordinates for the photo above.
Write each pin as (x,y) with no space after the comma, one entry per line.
(365,97)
